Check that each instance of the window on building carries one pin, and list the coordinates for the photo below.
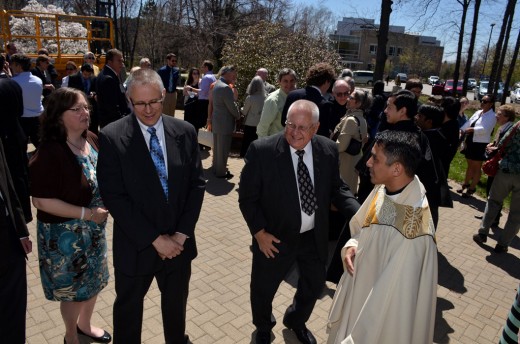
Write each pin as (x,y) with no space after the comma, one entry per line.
(391,51)
(399,51)
(373,49)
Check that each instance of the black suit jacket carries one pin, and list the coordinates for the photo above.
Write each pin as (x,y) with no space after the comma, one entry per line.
(14,141)
(45,81)
(132,192)
(16,216)
(268,193)
(312,94)
(76,81)
(111,98)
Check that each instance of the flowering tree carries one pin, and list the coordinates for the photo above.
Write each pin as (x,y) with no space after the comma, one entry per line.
(27,26)
(274,47)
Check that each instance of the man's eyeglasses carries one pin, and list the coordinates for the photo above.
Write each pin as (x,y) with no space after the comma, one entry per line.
(70,68)
(78,109)
(342,94)
(485,102)
(90,58)
(153,104)
(299,128)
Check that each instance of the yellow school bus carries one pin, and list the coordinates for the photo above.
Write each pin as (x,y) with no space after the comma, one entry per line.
(66,37)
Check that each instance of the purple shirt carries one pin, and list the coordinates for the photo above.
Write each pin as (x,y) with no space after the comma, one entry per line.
(205,83)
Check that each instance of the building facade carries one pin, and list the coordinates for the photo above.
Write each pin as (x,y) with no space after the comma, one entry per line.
(355,40)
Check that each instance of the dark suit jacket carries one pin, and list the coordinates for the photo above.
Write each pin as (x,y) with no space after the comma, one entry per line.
(132,192)
(111,98)
(16,215)
(45,81)
(76,81)
(14,141)
(312,94)
(268,193)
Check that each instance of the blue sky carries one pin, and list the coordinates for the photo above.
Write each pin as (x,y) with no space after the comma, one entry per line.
(440,23)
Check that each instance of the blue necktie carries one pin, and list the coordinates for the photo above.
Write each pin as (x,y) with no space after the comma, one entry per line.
(158,159)
(170,84)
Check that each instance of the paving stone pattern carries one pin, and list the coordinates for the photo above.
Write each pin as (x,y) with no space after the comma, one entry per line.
(475,292)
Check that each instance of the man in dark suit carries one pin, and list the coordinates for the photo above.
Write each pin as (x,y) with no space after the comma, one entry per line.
(84,80)
(42,71)
(150,178)
(287,215)
(110,92)
(319,79)
(14,247)
(14,140)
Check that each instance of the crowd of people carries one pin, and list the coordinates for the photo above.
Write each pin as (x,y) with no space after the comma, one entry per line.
(110,144)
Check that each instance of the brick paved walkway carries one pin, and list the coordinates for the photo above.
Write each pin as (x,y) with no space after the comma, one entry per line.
(475,292)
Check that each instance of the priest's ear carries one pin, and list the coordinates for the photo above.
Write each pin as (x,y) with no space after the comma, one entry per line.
(397,169)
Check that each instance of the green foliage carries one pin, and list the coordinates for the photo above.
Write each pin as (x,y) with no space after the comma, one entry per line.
(274,47)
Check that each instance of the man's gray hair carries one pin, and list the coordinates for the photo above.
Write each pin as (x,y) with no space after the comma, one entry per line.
(227,69)
(351,83)
(340,82)
(143,77)
(346,72)
(305,105)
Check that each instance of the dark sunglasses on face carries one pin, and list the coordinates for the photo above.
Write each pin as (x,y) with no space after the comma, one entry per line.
(342,94)
(485,102)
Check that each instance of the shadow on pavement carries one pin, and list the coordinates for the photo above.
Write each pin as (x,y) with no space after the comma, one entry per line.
(475,203)
(217,186)
(450,277)
(442,328)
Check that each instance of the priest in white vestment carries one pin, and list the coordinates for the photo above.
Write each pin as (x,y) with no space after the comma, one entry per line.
(389,289)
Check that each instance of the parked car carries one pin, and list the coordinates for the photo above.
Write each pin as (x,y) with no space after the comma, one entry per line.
(438,88)
(448,87)
(482,90)
(365,77)
(433,80)
(402,76)
(514,97)
(472,83)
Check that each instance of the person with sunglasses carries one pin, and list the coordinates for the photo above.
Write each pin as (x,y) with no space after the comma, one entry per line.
(477,131)
(90,59)
(70,68)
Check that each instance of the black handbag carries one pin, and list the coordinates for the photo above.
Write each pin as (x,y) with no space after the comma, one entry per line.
(354,147)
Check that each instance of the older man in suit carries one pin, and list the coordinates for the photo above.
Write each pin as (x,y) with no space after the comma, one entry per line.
(150,177)
(225,113)
(286,188)
(14,247)
(110,92)
(319,79)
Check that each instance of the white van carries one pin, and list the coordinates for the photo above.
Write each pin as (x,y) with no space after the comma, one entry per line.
(365,77)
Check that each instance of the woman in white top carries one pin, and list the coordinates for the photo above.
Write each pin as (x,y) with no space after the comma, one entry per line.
(252,111)
(478,131)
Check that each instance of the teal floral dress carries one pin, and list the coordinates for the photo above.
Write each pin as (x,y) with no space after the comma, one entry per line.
(73,254)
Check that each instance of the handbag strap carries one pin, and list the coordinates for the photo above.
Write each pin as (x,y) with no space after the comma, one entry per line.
(358,127)
(506,141)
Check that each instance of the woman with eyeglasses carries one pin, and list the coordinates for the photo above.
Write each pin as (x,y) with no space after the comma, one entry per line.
(70,68)
(352,126)
(477,131)
(191,96)
(72,248)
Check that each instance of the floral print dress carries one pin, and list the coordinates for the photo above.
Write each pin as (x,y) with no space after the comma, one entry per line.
(73,254)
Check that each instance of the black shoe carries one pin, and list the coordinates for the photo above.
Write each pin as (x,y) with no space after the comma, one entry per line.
(469,192)
(480,238)
(226,176)
(500,249)
(105,338)
(462,188)
(479,217)
(263,337)
(305,336)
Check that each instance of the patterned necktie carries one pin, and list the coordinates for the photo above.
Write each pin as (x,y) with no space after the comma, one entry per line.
(158,159)
(170,84)
(307,197)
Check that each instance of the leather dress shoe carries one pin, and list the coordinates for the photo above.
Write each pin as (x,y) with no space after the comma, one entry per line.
(105,338)
(263,337)
(228,175)
(305,336)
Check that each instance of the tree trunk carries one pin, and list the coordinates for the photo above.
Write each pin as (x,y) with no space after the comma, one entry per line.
(465,5)
(498,49)
(503,57)
(512,64)
(382,38)
(469,62)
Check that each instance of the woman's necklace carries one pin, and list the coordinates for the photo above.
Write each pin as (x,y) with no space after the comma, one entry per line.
(82,150)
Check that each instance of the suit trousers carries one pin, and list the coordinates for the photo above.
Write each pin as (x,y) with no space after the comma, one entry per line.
(128,306)
(221,148)
(503,184)
(13,289)
(170,103)
(268,273)
(31,128)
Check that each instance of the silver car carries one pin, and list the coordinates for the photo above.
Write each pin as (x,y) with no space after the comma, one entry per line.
(514,97)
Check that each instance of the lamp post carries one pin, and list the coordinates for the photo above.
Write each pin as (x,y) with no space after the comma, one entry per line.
(487,49)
